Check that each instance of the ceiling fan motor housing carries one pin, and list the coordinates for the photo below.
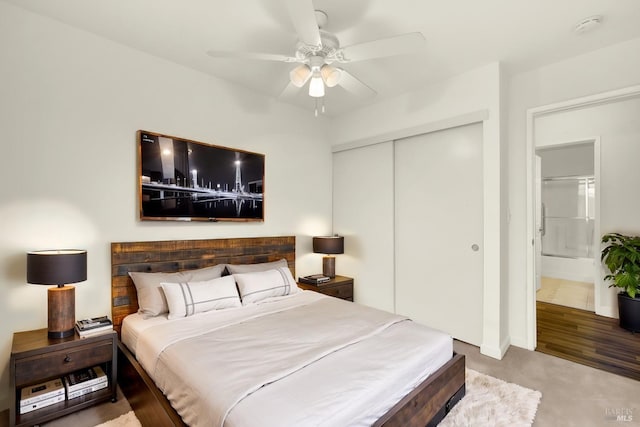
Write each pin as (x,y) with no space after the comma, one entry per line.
(329,49)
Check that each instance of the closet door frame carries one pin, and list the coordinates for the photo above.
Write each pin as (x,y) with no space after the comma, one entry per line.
(495,339)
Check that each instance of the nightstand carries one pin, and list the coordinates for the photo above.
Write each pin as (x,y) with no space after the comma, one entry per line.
(339,287)
(35,359)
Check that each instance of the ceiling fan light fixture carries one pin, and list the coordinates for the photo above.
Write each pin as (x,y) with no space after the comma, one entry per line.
(330,75)
(300,75)
(316,87)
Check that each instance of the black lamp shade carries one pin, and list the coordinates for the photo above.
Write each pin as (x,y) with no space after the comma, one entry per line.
(328,245)
(56,267)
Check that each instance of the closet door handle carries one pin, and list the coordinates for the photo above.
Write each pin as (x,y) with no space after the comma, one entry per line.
(475,247)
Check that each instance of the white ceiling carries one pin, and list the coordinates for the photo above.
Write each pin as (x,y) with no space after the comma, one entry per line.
(460,35)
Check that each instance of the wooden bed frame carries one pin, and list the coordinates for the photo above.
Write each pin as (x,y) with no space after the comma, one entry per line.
(426,405)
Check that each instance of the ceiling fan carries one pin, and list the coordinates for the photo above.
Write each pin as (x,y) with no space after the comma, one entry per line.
(317,50)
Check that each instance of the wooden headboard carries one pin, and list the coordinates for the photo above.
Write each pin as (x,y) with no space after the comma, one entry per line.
(178,255)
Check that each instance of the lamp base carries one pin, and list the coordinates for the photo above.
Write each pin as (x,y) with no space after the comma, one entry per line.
(61,303)
(329,266)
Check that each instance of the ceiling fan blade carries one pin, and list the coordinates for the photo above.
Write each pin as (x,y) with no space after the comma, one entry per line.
(304,20)
(251,55)
(289,91)
(349,82)
(391,46)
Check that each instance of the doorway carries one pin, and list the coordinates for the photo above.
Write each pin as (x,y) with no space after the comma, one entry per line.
(568,223)
(609,115)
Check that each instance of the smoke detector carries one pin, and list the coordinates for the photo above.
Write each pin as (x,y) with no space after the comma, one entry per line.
(587,24)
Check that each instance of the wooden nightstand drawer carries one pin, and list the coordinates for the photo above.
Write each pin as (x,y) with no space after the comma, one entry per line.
(343,291)
(35,368)
(339,287)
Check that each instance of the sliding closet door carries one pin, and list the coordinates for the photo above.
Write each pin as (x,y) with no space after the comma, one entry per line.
(363,212)
(439,230)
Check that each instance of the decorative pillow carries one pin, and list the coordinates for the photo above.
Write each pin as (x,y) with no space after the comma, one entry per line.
(251,268)
(151,299)
(204,274)
(189,298)
(259,285)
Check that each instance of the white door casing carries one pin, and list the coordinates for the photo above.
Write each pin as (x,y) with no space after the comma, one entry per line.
(539,222)
(533,113)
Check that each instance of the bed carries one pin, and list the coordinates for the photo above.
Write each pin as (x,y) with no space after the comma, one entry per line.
(415,393)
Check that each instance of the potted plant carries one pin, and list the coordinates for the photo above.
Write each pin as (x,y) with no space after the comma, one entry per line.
(622,258)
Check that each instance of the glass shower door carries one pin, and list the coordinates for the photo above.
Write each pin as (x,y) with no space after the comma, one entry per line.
(568,216)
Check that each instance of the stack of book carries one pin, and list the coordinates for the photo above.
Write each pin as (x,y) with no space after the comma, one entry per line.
(85,381)
(314,279)
(93,326)
(41,395)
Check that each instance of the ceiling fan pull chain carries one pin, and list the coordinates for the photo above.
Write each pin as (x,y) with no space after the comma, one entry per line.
(323,105)
(316,109)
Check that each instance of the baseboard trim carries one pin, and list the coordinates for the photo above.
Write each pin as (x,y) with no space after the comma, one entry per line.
(496,352)
(521,343)
(607,311)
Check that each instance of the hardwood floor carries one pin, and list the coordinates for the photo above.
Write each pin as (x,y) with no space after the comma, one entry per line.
(586,338)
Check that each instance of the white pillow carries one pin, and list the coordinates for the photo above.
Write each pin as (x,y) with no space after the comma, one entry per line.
(189,298)
(252,268)
(259,285)
(151,300)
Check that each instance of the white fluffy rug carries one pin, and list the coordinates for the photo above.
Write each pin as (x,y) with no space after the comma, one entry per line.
(493,402)
(127,420)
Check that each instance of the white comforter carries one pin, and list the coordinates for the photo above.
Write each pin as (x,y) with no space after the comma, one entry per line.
(305,359)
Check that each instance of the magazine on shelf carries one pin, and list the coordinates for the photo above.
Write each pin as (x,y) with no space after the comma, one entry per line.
(84,378)
(40,392)
(314,279)
(89,389)
(93,323)
(42,404)
(94,331)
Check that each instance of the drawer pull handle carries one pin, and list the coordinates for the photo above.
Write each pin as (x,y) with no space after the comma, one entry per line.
(67,359)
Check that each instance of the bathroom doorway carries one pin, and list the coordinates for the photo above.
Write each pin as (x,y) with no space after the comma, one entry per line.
(568,224)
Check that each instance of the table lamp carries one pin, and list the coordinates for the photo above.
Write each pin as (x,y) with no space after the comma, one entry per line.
(328,245)
(59,268)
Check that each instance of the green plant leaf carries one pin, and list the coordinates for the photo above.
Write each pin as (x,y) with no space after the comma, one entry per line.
(622,257)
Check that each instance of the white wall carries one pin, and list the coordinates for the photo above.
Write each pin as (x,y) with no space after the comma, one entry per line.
(567,160)
(576,269)
(439,106)
(615,67)
(70,105)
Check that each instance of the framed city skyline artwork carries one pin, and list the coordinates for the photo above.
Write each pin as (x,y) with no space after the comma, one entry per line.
(185,180)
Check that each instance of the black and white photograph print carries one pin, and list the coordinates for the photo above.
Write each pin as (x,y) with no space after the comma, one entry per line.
(184,180)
